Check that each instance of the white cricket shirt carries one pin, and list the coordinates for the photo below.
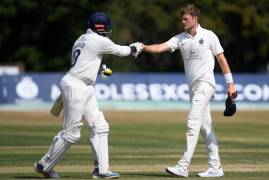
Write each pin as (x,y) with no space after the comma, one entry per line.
(198,53)
(87,54)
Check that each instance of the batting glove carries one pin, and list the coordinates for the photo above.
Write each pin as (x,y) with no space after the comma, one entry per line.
(105,72)
(136,49)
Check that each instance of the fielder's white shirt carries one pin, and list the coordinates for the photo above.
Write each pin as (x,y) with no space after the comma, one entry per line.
(87,54)
(198,53)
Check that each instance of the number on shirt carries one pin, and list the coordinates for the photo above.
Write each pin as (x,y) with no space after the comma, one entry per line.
(75,56)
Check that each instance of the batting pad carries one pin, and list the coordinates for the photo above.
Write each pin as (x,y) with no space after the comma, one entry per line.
(94,141)
(103,153)
(56,151)
(99,141)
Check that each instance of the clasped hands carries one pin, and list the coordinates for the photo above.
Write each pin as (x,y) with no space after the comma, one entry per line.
(136,48)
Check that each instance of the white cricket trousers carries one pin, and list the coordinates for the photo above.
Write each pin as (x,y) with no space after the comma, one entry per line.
(199,119)
(79,101)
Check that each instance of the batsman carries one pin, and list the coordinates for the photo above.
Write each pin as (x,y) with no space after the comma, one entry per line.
(79,100)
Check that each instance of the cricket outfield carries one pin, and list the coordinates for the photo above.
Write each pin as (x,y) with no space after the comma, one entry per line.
(142,144)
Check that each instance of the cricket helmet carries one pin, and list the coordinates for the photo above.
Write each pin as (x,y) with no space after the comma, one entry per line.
(100,23)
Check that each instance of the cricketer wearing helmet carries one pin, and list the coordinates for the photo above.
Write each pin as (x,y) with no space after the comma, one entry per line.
(198,47)
(79,100)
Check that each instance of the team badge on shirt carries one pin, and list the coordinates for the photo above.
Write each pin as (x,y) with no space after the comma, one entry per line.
(201,41)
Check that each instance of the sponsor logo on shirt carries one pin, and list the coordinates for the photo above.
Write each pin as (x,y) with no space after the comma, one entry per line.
(201,41)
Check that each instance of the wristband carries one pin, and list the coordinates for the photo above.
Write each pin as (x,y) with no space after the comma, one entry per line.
(228,78)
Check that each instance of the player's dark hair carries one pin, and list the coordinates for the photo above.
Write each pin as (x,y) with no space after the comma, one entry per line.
(190,9)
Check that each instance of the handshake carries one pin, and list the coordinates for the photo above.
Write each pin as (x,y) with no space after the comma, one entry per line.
(136,48)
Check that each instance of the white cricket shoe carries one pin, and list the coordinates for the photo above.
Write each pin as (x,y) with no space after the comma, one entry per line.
(108,175)
(51,174)
(212,172)
(178,170)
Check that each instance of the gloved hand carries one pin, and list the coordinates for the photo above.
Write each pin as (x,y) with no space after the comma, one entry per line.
(105,72)
(136,49)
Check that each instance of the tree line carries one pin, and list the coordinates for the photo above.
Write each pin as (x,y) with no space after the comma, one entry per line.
(40,34)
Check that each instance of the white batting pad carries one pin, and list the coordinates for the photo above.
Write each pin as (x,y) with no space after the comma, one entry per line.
(94,142)
(99,141)
(103,153)
(56,151)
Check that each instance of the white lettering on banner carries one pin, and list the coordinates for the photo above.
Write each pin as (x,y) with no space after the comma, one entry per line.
(141,91)
(114,92)
(219,96)
(155,92)
(183,92)
(102,92)
(265,92)
(253,92)
(128,92)
(55,92)
(240,94)
(170,92)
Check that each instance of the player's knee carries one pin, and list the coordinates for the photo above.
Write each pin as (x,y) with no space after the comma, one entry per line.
(206,128)
(194,116)
(203,132)
(100,124)
(72,133)
(193,128)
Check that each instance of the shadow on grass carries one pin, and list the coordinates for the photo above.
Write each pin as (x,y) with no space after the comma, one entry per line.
(148,175)
(28,177)
(39,177)
(192,175)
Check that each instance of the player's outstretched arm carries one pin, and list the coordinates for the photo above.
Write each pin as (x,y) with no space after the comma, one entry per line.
(155,48)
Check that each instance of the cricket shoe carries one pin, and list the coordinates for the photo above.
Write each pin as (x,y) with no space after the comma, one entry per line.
(51,174)
(108,175)
(212,172)
(178,170)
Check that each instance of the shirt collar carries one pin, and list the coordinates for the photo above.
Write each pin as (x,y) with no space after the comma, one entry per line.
(198,29)
(89,31)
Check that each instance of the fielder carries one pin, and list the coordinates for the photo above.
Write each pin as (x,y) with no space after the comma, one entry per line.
(78,99)
(198,47)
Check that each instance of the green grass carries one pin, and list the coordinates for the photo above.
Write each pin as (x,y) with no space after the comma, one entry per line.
(142,144)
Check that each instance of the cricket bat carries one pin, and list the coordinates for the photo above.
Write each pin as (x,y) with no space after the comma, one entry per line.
(57,107)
